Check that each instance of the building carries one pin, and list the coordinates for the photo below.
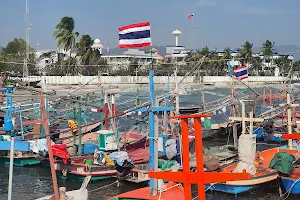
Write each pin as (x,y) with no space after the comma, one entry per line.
(142,58)
(268,64)
(176,53)
(51,56)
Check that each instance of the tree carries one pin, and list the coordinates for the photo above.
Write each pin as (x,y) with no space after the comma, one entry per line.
(204,51)
(226,54)
(65,35)
(84,49)
(283,63)
(246,52)
(15,53)
(267,49)
(296,66)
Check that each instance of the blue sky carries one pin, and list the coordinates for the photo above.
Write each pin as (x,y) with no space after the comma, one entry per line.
(221,22)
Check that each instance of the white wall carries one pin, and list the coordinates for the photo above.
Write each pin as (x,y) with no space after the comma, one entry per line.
(94,80)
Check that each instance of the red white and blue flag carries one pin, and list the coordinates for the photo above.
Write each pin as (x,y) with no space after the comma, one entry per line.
(135,35)
(191,16)
(241,72)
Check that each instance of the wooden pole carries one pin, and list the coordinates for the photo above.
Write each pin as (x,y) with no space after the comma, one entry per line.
(271,96)
(203,101)
(290,142)
(264,97)
(243,118)
(156,127)
(251,119)
(11,167)
(46,126)
(177,93)
(79,131)
(235,136)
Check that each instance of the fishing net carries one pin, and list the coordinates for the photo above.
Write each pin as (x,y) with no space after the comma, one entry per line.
(247,150)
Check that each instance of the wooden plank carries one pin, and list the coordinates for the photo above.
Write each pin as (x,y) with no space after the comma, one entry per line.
(19,146)
(247,119)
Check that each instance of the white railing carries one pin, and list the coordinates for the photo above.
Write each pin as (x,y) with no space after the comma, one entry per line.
(94,80)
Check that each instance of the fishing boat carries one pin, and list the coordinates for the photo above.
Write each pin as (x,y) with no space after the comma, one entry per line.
(169,190)
(80,194)
(173,191)
(83,166)
(263,175)
(291,182)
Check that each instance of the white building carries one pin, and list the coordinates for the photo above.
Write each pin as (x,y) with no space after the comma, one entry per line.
(51,56)
(132,55)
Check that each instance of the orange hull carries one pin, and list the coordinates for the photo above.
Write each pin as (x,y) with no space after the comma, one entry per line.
(263,173)
(172,192)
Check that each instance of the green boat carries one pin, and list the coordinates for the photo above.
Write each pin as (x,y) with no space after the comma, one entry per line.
(21,161)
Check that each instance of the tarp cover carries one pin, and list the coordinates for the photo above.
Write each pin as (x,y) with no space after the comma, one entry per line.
(283,162)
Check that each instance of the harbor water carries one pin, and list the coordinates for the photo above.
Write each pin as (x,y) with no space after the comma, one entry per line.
(34,182)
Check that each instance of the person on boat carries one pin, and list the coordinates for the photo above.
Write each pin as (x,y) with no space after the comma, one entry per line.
(72,124)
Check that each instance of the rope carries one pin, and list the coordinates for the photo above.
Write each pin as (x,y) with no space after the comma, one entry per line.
(164,190)
(287,194)
(105,186)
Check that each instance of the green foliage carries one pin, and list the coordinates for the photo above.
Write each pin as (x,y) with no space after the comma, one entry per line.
(283,63)
(84,49)
(226,53)
(267,49)
(246,52)
(64,33)
(296,66)
(14,55)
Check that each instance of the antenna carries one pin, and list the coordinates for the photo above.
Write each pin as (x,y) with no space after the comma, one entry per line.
(25,67)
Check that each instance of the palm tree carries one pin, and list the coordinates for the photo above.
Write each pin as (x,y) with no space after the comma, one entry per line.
(246,52)
(65,34)
(85,49)
(267,50)
(226,54)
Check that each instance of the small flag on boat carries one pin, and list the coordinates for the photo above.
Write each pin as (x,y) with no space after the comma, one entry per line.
(241,72)
(191,16)
(135,35)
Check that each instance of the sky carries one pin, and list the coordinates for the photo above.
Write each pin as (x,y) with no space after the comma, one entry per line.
(219,23)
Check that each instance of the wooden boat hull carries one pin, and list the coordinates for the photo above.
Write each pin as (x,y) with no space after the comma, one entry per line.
(21,162)
(79,171)
(172,192)
(80,177)
(291,184)
(237,187)
(74,195)
(263,175)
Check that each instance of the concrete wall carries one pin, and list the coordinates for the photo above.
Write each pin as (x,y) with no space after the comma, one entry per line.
(94,80)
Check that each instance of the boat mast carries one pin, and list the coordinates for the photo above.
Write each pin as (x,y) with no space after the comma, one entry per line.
(11,167)
(25,67)
(288,100)
(153,131)
(176,92)
(46,127)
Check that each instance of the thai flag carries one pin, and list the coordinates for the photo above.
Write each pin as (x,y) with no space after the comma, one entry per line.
(135,35)
(241,72)
(191,16)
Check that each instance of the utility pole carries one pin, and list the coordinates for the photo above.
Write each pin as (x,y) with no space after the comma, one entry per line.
(25,67)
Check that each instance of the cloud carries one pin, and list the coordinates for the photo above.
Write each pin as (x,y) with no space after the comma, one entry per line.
(206,3)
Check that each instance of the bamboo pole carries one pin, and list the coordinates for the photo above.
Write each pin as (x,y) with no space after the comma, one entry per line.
(290,142)
(46,126)
(243,118)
